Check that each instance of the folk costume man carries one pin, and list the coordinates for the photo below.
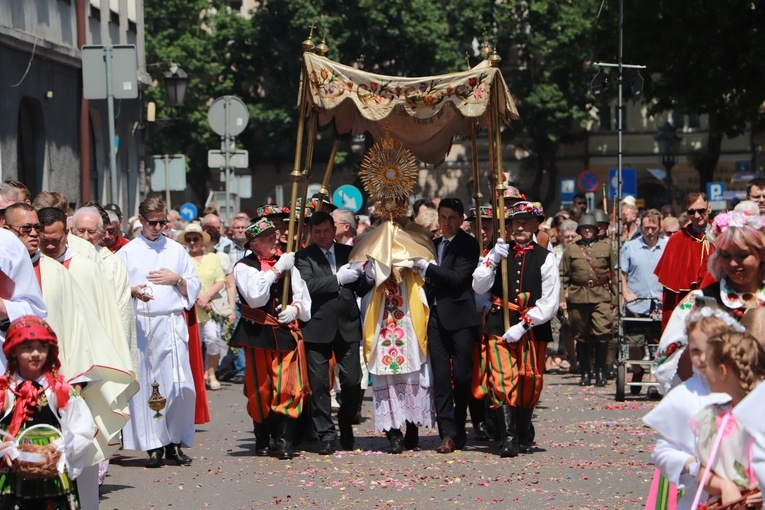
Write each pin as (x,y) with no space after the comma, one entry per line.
(454,324)
(275,379)
(333,331)
(588,292)
(683,266)
(163,284)
(517,355)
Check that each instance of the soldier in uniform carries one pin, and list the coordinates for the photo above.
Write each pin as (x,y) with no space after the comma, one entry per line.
(603,224)
(517,355)
(275,374)
(588,291)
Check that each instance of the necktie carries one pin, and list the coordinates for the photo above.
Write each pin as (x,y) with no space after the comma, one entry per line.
(331,261)
(444,246)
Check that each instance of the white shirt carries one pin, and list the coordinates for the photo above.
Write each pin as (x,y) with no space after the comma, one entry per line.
(255,286)
(544,307)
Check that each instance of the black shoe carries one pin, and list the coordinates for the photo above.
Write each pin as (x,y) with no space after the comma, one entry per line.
(586,379)
(237,379)
(637,377)
(412,437)
(600,378)
(396,440)
(653,394)
(507,420)
(155,458)
(224,375)
(173,451)
(508,447)
(482,431)
(327,447)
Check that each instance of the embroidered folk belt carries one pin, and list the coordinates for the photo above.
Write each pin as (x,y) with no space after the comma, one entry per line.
(591,283)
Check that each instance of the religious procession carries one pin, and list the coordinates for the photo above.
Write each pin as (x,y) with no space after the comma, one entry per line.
(396,285)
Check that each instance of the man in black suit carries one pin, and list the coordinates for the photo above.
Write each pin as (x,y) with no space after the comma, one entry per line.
(335,327)
(454,324)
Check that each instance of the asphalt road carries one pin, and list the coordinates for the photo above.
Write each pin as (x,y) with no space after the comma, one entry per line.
(592,452)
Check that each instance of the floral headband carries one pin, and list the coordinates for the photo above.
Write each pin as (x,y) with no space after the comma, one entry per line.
(737,219)
(527,209)
(486,211)
(709,312)
(272,210)
(261,227)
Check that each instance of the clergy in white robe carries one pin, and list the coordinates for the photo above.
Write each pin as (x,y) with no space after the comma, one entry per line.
(18,280)
(163,284)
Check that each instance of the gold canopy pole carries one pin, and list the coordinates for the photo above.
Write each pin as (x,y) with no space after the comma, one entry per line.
(477,191)
(295,174)
(494,60)
(307,175)
(328,172)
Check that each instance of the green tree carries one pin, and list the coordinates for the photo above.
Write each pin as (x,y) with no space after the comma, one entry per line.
(703,57)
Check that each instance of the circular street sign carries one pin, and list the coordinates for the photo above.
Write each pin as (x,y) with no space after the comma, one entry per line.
(188,212)
(348,197)
(230,124)
(588,181)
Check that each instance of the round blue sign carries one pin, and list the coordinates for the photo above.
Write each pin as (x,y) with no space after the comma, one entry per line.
(588,181)
(188,212)
(348,197)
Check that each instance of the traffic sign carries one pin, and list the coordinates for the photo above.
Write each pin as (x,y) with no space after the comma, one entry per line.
(228,116)
(567,189)
(588,181)
(236,159)
(122,71)
(348,197)
(169,168)
(715,190)
(629,182)
(188,212)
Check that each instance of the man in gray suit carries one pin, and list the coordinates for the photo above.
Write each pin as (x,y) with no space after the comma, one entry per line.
(334,328)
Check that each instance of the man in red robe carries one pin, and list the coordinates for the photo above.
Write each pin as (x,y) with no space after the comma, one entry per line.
(684,263)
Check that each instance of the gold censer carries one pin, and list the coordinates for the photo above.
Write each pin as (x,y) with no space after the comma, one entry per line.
(156,401)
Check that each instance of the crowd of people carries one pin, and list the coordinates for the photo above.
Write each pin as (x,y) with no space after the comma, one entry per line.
(122,334)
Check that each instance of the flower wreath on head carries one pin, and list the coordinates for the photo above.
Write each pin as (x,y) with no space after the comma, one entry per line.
(738,219)
(708,312)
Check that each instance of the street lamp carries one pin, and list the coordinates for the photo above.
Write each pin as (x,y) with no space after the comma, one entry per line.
(176,81)
(668,143)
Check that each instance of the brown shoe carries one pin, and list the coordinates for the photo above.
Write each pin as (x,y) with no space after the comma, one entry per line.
(447,446)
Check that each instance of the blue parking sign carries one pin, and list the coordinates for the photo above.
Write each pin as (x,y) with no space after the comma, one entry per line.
(629,182)
(715,190)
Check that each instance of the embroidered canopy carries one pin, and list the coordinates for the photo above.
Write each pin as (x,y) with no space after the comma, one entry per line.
(423,113)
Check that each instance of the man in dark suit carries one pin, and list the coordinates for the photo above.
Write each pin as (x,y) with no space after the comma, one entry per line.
(335,327)
(454,324)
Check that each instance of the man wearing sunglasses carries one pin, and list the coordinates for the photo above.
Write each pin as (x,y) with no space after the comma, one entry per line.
(683,265)
(163,284)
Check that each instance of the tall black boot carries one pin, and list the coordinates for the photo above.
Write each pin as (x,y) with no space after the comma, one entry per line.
(477,410)
(262,439)
(286,430)
(601,352)
(583,355)
(491,419)
(509,445)
(522,426)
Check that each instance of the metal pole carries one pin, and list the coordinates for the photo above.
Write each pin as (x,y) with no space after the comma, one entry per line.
(307,174)
(227,154)
(500,187)
(112,135)
(477,191)
(620,325)
(328,172)
(167,181)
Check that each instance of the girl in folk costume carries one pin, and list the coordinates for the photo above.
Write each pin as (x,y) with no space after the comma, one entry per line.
(738,265)
(674,455)
(275,374)
(396,310)
(517,356)
(735,364)
(32,393)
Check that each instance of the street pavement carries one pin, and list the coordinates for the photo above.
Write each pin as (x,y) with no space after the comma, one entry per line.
(591,452)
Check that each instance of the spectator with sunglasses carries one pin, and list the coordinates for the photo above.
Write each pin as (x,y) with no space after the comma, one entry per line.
(683,265)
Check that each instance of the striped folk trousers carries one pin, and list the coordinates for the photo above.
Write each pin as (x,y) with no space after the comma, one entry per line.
(513,371)
(273,383)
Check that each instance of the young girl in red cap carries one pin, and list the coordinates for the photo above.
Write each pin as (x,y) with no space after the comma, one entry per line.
(32,392)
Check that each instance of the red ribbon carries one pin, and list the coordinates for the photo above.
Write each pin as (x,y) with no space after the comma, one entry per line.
(520,250)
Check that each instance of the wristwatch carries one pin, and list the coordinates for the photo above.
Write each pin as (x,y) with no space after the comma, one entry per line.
(179,282)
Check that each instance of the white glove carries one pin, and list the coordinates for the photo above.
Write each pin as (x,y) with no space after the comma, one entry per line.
(515,333)
(288,315)
(420,265)
(285,262)
(500,250)
(346,275)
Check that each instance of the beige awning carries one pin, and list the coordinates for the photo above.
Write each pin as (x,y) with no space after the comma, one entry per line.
(423,113)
